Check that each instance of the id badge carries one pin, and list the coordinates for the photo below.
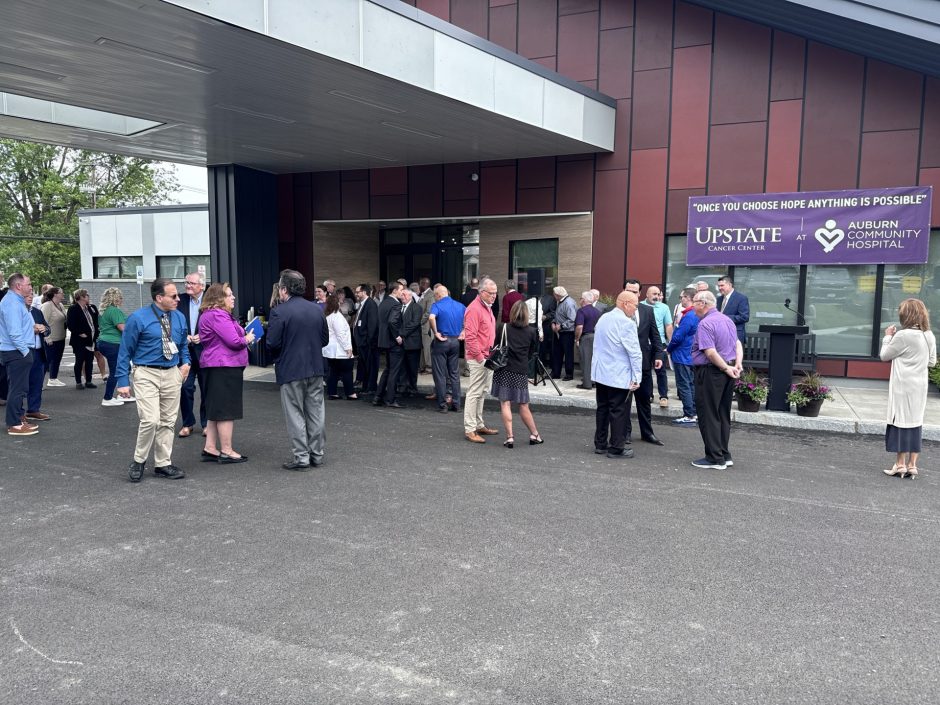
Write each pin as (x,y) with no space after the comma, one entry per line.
(358,323)
(173,348)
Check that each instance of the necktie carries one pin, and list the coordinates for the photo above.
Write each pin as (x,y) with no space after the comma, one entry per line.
(724,303)
(165,337)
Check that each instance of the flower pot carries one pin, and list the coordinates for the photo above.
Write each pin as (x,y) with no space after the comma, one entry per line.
(811,408)
(748,404)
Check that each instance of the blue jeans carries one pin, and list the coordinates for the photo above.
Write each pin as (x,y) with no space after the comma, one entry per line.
(188,393)
(37,376)
(685,386)
(662,382)
(110,352)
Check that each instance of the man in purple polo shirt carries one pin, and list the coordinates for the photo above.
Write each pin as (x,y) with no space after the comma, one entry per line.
(717,358)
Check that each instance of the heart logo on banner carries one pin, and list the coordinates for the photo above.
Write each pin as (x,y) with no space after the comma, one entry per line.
(829,236)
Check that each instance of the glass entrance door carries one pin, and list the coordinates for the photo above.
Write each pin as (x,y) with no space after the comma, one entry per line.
(445,254)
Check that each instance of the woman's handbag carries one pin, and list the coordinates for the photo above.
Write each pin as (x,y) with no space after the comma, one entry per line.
(499,354)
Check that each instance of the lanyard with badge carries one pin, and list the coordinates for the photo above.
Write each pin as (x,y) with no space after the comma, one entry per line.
(168,344)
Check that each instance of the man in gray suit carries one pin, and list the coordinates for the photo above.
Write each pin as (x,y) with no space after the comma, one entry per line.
(426,299)
(296,335)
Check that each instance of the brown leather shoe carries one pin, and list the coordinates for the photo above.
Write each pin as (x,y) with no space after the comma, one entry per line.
(37,415)
(26,430)
(185,431)
(484,431)
(431,397)
(475,437)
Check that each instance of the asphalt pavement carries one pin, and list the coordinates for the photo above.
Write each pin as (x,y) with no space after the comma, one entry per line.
(414,566)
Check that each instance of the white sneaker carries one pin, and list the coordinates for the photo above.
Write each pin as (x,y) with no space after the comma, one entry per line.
(127,399)
(112,402)
(55,383)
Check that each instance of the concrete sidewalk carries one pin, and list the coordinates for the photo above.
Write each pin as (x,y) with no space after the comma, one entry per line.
(858,407)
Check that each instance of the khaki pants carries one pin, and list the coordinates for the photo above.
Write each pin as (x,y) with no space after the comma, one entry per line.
(481,379)
(158,404)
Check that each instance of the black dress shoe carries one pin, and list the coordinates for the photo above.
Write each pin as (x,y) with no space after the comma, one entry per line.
(229,459)
(207,457)
(600,451)
(135,472)
(296,465)
(654,440)
(89,385)
(395,405)
(625,453)
(567,379)
(169,471)
(378,402)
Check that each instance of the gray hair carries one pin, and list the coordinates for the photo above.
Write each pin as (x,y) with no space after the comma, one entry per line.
(510,285)
(485,281)
(588,296)
(701,285)
(201,277)
(560,291)
(708,298)
(293,281)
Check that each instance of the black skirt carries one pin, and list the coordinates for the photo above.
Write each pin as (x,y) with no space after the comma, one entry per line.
(902,440)
(510,386)
(223,393)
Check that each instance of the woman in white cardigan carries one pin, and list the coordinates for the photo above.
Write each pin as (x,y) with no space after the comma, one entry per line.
(338,352)
(912,349)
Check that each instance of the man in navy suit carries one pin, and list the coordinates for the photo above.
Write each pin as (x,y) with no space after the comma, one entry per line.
(654,354)
(365,332)
(189,307)
(734,305)
(390,341)
(296,335)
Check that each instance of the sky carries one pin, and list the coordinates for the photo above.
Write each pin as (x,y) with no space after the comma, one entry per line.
(193,184)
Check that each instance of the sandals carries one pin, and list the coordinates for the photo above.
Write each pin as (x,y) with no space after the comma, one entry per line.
(898,471)
(911,472)
(535,440)
(509,442)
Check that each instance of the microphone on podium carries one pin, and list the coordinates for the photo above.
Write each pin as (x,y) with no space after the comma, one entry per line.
(801,320)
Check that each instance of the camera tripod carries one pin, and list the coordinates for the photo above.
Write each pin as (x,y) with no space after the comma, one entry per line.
(541,374)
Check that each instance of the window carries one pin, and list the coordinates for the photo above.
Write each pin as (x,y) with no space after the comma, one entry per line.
(766,289)
(678,276)
(533,264)
(904,281)
(840,307)
(179,266)
(116,267)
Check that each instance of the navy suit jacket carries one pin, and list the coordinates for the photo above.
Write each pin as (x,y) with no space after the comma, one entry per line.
(738,310)
(183,307)
(297,333)
(366,328)
(389,322)
(411,327)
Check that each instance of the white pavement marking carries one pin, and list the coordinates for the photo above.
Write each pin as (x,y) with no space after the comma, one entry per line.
(33,648)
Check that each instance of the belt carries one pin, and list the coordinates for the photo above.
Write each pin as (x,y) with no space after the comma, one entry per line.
(156,367)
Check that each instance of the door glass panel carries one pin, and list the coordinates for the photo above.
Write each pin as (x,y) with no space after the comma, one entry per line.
(421,236)
(422,265)
(451,259)
(396,237)
(766,288)
(840,304)
(534,265)
(395,267)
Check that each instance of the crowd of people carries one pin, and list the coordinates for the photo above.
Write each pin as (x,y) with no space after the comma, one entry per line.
(159,354)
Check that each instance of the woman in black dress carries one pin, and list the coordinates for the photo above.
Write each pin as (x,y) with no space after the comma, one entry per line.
(511,383)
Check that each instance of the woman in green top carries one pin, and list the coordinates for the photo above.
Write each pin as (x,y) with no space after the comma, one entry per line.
(111,324)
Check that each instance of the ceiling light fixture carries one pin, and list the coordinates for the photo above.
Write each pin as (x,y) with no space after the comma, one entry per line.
(154,55)
(365,101)
(412,130)
(30,72)
(254,113)
(270,150)
(370,156)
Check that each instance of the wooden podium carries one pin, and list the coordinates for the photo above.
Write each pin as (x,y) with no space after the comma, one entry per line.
(782,351)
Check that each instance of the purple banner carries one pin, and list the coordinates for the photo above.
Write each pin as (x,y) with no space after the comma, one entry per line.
(873,226)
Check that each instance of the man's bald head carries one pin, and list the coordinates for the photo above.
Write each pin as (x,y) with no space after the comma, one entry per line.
(627,297)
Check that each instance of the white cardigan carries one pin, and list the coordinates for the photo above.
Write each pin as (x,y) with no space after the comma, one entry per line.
(911,352)
(340,340)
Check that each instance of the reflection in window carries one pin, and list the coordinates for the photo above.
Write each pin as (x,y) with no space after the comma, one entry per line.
(920,281)
(533,265)
(107,268)
(179,266)
(678,276)
(766,289)
(840,303)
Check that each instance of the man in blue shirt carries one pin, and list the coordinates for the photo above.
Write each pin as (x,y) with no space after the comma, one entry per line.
(155,341)
(17,332)
(617,369)
(446,322)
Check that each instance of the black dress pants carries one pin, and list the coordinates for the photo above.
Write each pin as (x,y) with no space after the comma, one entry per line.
(394,357)
(644,410)
(563,349)
(610,420)
(83,361)
(713,392)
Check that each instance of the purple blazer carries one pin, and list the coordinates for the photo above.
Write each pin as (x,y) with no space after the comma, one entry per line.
(222,339)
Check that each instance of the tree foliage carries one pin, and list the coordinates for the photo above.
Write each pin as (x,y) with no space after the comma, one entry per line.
(42,188)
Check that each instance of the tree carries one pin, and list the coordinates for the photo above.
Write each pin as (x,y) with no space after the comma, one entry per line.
(42,188)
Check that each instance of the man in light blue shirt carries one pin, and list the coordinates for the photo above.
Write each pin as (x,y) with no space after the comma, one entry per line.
(17,332)
(616,369)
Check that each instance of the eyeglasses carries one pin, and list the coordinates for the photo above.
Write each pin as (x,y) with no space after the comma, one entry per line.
(189,283)
(697,301)
(168,296)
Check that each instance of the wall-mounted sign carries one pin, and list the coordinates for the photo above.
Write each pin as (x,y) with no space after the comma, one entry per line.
(872,226)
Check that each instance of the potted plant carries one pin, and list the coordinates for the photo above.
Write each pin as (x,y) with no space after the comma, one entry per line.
(808,394)
(751,389)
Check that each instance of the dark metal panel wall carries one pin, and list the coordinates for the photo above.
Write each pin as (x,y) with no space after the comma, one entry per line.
(243,232)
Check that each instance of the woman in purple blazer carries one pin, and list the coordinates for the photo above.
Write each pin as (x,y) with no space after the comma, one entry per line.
(224,357)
